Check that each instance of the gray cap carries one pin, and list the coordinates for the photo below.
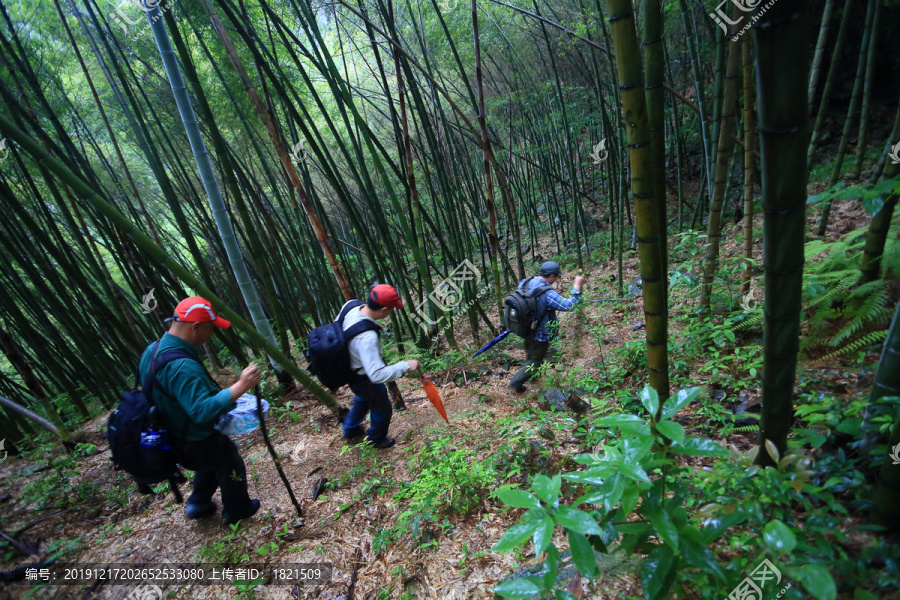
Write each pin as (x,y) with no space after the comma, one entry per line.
(550,268)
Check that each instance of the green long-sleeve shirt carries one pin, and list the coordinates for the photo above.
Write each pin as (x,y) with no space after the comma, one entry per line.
(190,396)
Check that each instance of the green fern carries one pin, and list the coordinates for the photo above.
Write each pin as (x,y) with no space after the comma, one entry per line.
(754,319)
(873,337)
(873,310)
(752,428)
(831,300)
(747,429)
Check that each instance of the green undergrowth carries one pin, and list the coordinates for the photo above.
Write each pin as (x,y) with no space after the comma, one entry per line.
(704,516)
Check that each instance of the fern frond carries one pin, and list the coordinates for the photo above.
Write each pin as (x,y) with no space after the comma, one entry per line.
(754,319)
(872,310)
(747,429)
(874,337)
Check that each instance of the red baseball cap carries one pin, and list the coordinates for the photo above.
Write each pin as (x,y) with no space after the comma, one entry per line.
(386,295)
(199,310)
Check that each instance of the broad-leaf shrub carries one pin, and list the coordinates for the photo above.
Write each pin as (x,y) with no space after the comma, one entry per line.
(636,499)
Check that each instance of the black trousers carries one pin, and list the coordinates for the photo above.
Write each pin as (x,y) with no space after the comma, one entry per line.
(218,464)
(535,353)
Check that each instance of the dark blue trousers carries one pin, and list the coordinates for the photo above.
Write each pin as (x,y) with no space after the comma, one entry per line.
(370,398)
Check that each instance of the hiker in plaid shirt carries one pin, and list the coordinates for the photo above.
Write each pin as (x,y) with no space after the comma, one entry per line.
(548,303)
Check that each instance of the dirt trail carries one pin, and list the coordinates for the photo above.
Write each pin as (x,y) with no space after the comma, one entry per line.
(340,525)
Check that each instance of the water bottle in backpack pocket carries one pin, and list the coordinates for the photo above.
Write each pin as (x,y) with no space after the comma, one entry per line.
(155,449)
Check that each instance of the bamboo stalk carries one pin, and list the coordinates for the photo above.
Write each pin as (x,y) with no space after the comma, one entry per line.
(815,71)
(631,90)
(282,152)
(850,121)
(160,256)
(782,106)
(724,151)
(747,54)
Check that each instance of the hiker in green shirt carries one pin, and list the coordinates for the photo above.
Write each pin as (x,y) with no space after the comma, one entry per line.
(190,403)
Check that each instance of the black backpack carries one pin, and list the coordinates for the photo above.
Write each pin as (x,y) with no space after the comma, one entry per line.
(327,351)
(137,414)
(521,310)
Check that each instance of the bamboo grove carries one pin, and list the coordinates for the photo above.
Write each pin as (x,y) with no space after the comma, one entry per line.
(333,145)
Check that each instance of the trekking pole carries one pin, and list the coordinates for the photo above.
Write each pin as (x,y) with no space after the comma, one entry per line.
(273,454)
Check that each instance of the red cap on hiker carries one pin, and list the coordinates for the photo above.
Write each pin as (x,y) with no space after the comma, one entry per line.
(198,310)
(385,295)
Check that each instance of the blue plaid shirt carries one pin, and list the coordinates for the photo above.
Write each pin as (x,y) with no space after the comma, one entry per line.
(547,331)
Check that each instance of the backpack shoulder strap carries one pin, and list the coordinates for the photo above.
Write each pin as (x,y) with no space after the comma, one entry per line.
(541,290)
(348,306)
(158,362)
(357,328)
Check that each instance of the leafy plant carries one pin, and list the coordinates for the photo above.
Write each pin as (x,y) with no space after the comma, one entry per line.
(453,480)
(637,474)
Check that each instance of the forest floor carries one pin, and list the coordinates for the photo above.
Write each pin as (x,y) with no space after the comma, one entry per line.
(353,524)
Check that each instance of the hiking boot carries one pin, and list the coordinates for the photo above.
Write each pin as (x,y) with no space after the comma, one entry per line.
(198,511)
(386,443)
(230,519)
(356,432)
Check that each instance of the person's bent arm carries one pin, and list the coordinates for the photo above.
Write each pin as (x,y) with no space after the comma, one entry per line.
(200,398)
(364,347)
(557,302)
(248,380)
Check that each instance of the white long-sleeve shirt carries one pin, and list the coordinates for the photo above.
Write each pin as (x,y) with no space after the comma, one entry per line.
(366,355)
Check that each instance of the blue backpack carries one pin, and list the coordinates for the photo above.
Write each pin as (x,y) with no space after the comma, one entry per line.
(135,417)
(327,351)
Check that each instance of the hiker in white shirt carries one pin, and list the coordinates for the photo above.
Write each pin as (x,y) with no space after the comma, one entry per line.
(367,361)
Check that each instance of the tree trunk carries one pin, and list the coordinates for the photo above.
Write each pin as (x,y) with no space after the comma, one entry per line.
(820,52)
(724,151)
(210,184)
(867,94)
(488,184)
(876,236)
(634,105)
(656,108)
(829,83)
(781,85)
(747,53)
(850,121)
(886,504)
(282,152)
